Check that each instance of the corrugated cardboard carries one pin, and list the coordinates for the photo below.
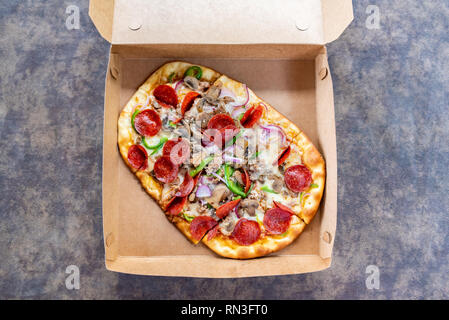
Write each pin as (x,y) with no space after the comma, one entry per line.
(277,49)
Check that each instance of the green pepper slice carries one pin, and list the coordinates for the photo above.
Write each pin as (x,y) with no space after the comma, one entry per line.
(234,139)
(171,76)
(194,71)
(255,155)
(203,163)
(157,145)
(234,187)
(267,189)
(188,218)
(136,112)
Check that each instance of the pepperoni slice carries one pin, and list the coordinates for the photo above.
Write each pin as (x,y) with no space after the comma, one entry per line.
(137,157)
(178,150)
(165,170)
(147,123)
(188,101)
(200,225)
(247,180)
(219,136)
(166,94)
(283,207)
(176,205)
(246,232)
(224,209)
(220,121)
(213,233)
(186,187)
(276,220)
(251,116)
(284,155)
(298,178)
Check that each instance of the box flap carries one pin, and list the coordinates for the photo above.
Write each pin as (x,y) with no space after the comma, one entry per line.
(101,12)
(213,22)
(337,15)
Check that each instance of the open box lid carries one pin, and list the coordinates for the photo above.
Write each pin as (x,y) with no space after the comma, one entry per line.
(214,22)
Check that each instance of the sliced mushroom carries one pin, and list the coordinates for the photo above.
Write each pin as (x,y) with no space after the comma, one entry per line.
(212,95)
(250,206)
(238,176)
(220,193)
(203,86)
(228,225)
(227,99)
(191,82)
(278,183)
(183,131)
(204,118)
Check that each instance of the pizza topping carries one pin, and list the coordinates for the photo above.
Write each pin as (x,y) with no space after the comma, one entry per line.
(176,205)
(250,206)
(167,95)
(268,189)
(203,163)
(283,207)
(284,155)
(186,187)
(178,150)
(155,147)
(277,221)
(165,170)
(247,182)
(212,95)
(220,121)
(251,116)
(277,184)
(298,178)
(194,71)
(203,191)
(147,123)
(219,193)
(246,232)
(273,131)
(171,77)
(137,157)
(224,209)
(213,233)
(231,184)
(188,101)
(200,225)
(135,113)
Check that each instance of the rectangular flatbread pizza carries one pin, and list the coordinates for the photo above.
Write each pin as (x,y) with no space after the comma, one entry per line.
(226,168)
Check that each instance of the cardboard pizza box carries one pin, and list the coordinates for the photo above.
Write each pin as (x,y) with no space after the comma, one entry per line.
(278,49)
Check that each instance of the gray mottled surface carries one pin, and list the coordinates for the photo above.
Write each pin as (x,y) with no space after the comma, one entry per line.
(391,99)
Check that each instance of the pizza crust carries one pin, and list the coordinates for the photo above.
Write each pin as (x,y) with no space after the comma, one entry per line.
(226,247)
(313,160)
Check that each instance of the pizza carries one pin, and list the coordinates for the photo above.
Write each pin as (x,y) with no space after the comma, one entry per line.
(226,168)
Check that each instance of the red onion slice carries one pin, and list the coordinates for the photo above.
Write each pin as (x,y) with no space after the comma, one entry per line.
(229,158)
(236,211)
(178,84)
(218,177)
(274,128)
(225,92)
(203,191)
(247,96)
(237,112)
